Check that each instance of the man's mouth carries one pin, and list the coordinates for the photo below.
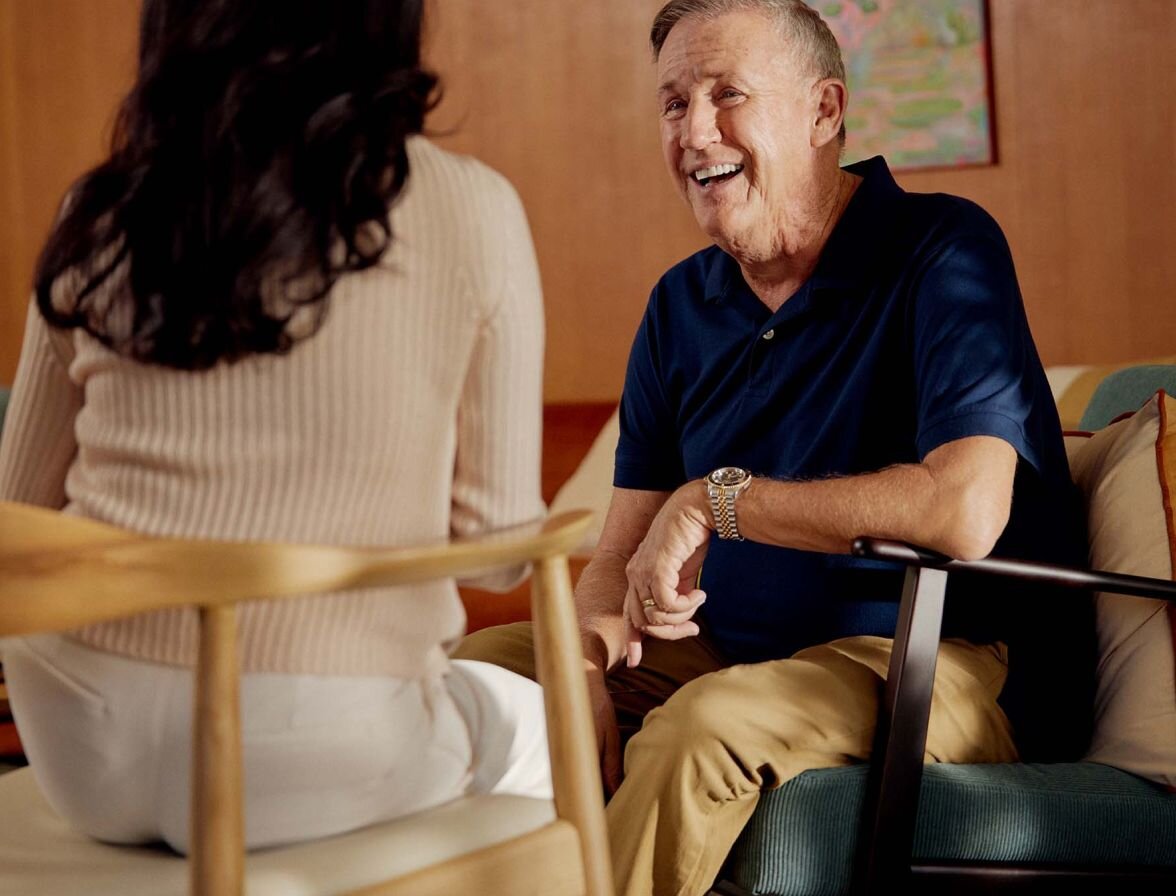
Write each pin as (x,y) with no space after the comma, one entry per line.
(715,174)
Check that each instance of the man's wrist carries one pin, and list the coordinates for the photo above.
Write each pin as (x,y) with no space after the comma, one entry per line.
(692,499)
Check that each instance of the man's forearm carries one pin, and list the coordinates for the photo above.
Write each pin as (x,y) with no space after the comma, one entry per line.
(956,503)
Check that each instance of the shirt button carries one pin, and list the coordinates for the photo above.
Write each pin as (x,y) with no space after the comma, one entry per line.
(770,335)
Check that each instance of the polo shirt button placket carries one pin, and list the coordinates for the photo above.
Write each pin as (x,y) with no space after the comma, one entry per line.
(760,380)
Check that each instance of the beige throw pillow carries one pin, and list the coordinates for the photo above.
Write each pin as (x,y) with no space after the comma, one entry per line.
(1127,472)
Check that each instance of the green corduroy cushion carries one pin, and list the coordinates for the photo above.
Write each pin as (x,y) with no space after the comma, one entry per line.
(1125,390)
(801,838)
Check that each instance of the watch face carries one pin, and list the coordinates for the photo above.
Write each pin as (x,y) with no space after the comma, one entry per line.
(728,476)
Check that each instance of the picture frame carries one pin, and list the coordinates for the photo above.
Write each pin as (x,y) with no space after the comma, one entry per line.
(919,76)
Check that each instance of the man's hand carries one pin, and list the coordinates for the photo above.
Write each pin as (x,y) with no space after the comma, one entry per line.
(662,598)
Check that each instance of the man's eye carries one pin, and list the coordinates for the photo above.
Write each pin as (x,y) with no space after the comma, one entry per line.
(673,107)
(729,94)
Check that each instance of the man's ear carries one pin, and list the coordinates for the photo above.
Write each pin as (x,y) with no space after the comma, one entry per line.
(831,100)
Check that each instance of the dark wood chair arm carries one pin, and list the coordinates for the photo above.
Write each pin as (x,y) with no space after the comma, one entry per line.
(1024,570)
(887,831)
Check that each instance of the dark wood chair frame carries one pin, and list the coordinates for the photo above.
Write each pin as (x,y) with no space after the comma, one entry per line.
(883,862)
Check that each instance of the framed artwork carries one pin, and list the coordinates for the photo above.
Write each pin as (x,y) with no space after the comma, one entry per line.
(918,74)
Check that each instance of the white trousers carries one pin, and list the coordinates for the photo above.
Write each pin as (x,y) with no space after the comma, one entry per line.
(109,741)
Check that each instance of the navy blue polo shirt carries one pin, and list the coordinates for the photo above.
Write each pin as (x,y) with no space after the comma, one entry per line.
(910,333)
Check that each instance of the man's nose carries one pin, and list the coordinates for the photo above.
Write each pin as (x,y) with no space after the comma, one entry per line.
(700,127)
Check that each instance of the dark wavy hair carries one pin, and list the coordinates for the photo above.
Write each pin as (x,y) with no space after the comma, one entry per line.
(253,163)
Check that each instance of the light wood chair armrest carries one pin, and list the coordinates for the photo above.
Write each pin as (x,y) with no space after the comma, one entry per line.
(59,572)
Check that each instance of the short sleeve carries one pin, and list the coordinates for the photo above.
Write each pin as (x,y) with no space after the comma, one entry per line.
(974,360)
(649,454)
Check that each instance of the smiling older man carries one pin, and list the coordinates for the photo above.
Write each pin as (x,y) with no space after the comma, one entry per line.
(847,359)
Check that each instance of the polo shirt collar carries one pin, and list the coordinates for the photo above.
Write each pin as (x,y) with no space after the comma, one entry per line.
(722,271)
(857,242)
(842,263)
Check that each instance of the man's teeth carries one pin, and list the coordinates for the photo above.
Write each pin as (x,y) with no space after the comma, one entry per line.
(705,174)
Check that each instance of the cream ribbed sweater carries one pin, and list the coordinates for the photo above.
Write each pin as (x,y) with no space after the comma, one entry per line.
(414,413)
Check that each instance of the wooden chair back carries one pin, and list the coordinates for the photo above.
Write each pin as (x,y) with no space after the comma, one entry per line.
(59,572)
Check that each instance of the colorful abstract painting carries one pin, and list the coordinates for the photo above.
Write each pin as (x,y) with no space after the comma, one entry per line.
(918,80)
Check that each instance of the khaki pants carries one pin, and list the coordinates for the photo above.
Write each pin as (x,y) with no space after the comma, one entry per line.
(706,738)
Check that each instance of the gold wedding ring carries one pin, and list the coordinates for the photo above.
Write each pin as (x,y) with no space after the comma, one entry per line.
(648,602)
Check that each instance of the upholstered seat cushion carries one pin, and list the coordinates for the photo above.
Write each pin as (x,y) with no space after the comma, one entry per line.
(801,839)
(40,854)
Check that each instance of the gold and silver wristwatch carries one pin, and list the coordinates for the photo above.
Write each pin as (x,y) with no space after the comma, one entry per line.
(723,486)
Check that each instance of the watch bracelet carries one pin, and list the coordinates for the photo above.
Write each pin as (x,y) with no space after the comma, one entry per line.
(723,510)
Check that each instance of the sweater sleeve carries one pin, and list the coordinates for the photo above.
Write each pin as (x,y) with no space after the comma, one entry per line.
(499,433)
(38,444)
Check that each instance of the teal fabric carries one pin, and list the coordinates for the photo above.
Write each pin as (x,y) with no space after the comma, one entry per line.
(802,837)
(1125,390)
(3,405)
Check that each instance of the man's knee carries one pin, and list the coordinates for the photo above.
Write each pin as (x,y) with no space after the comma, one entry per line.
(763,722)
(510,646)
(698,742)
(698,715)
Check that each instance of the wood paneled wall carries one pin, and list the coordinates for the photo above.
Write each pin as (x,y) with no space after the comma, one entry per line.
(1085,187)
(64,65)
(558,96)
